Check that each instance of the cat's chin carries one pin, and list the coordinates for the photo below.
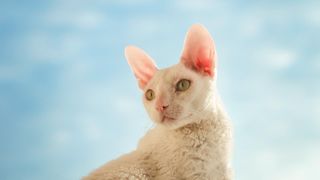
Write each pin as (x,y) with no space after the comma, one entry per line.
(165,119)
(174,123)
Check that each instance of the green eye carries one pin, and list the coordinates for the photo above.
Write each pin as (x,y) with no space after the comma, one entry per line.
(149,94)
(183,85)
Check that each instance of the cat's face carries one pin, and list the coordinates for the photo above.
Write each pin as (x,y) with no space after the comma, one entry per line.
(178,95)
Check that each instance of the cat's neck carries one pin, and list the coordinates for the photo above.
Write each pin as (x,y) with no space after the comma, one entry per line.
(210,120)
(212,125)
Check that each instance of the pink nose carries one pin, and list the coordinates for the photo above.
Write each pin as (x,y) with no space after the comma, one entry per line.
(161,108)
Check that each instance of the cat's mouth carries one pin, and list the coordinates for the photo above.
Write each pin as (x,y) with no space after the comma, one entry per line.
(171,119)
(167,119)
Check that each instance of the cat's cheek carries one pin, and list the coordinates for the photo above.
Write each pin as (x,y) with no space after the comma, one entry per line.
(152,113)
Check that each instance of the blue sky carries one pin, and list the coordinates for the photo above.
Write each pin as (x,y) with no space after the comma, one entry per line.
(69,102)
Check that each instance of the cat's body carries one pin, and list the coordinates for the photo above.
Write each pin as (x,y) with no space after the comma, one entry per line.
(196,151)
(192,137)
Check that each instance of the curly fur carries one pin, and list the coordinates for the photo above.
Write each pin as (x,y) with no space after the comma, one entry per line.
(197,143)
(195,151)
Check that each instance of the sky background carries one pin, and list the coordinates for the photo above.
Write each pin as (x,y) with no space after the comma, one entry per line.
(69,102)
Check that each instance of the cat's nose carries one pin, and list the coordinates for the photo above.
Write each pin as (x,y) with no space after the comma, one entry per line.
(161,108)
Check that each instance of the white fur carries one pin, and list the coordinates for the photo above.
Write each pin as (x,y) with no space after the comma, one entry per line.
(194,148)
(195,145)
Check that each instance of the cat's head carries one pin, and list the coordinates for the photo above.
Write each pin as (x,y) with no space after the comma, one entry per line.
(183,93)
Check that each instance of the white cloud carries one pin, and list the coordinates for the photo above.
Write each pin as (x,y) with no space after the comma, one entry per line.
(295,163)
(46,47)
(92,129)
(126,2)
(250,25)
(126,105)
(266,159)
(144,27)
(192,5)
(316,62)
(311,14)
(276,58)
(315,109)
(80,19)
(60,138)
(40,46)
(10,72)
(306,166)
(73,14)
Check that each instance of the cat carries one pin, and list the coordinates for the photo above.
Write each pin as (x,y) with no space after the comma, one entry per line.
(192,138)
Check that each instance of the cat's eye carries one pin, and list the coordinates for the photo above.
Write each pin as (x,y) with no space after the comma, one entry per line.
(149,94)
(183,85)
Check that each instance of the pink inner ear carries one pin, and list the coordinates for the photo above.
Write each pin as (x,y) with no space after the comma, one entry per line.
(199,51)
(141,64)
(204,61)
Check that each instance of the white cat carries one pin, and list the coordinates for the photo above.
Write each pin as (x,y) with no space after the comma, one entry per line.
(192,137)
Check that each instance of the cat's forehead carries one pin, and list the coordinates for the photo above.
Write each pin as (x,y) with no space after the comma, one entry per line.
(163,76)
(169,75)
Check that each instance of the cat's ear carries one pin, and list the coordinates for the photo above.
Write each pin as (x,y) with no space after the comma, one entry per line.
(141,64)
(199,51)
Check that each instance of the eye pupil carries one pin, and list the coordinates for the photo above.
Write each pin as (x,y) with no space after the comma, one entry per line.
(183,85)
(149,94)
